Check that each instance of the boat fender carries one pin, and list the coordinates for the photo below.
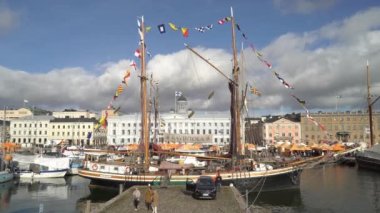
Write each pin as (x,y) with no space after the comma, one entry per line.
(95,166)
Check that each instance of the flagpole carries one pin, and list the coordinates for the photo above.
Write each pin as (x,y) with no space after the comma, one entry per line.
(175,102)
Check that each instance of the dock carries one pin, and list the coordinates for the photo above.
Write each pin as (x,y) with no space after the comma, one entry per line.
(174,199)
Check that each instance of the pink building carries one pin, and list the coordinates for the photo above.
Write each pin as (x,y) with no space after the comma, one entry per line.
(281,130)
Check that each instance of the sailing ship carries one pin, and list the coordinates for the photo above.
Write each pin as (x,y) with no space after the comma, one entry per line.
(104,172)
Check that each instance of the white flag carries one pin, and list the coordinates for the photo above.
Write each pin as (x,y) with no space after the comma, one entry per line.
(178,93)
(26,101)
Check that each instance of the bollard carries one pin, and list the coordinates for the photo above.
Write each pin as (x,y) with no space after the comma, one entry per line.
(88,206)
(120,189)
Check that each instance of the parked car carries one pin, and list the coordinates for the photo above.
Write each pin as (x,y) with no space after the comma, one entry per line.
(203,188)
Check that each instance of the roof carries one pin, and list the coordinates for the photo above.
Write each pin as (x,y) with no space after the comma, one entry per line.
(62,120)
(35,118)
(182,98)
(168,116)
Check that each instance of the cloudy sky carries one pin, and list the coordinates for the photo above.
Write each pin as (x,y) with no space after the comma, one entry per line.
(73,54)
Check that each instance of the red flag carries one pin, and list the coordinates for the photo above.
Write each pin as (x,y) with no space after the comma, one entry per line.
(133,64)
(185,32)
(137,53)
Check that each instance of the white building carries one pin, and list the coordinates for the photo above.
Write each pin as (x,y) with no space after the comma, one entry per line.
(182,127)
(42,130)
(31,130)
(202,127)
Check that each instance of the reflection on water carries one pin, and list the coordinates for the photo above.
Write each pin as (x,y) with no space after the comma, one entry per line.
(278,201)
(5,195)
(44,195)
(330,188)
(100,194)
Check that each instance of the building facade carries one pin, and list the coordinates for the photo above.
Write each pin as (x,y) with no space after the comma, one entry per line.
(4,131)
(11,114)
(202,127)
(47,130)
(32,130)
(73,131)
(281,129)
(340,126)
(72,113)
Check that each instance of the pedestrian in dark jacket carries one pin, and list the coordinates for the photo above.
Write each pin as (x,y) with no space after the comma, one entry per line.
(218,181)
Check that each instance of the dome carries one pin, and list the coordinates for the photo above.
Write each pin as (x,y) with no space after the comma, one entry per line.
(182,98)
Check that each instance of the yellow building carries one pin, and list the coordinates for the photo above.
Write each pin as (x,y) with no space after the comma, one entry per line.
(340,126)
(11,114)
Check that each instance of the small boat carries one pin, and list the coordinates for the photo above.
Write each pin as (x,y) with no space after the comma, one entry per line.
(6,176)
(43,174)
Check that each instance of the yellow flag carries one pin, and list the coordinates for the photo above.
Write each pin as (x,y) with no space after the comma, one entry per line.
(173,26)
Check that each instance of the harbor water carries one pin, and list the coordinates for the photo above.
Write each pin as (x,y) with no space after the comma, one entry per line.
(328,188)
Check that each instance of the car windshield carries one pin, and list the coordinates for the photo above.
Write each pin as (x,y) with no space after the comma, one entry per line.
(204,182)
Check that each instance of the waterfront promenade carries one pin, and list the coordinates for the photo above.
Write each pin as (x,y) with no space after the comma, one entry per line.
(175,199)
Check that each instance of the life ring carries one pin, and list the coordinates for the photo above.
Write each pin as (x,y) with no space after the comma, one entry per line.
(94,166)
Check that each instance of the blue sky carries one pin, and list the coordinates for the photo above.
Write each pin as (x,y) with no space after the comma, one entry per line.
(92,38)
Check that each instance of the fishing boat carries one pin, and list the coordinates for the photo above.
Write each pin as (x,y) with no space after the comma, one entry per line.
(42,174)
(232,171)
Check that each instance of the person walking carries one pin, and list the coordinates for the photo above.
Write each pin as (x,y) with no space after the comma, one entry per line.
(136,198)
(218,181)
(155,201)
(148,198)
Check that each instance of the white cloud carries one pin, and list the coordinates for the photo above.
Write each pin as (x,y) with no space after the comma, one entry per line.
(327,62)
(321,64)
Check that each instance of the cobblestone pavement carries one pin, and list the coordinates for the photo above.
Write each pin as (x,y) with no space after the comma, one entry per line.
(176,199)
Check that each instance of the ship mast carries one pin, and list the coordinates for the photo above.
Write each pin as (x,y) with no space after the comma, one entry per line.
(143,98)
(235,146)
(370,103)
(233,85)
